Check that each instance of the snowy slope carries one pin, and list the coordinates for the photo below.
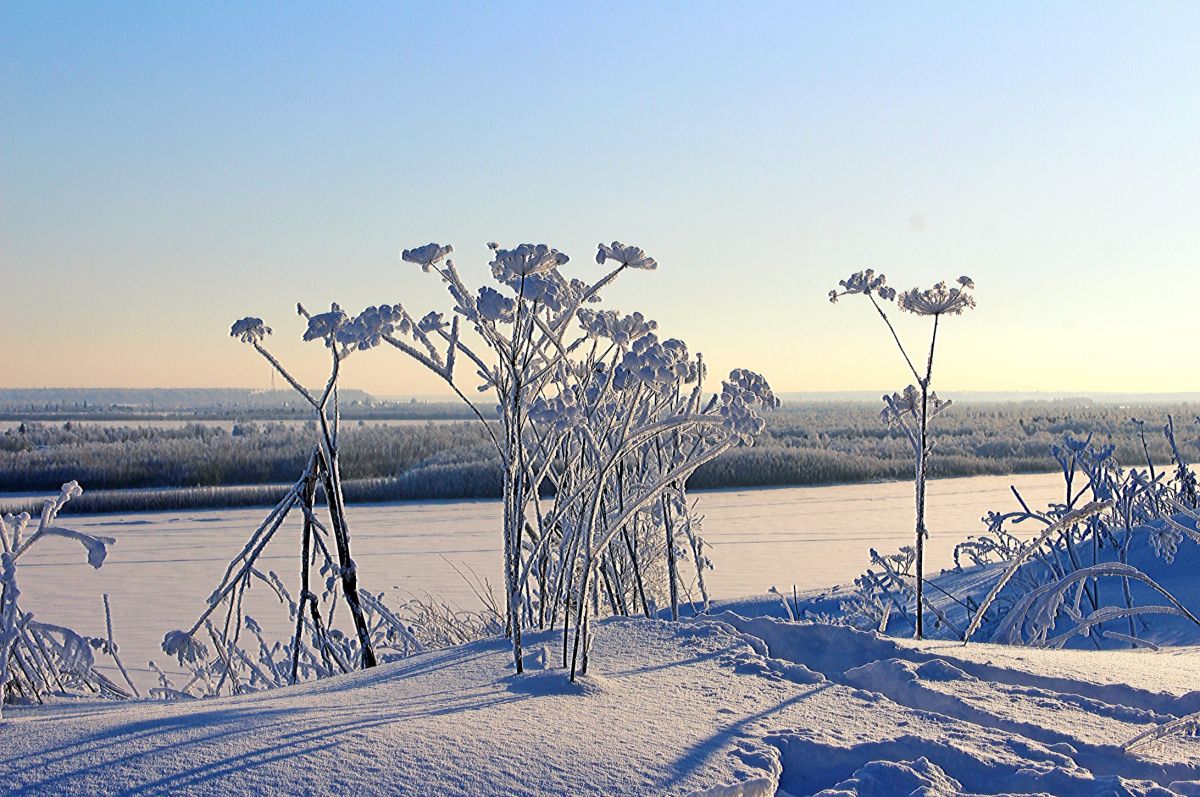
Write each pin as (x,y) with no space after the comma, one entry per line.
(730,706)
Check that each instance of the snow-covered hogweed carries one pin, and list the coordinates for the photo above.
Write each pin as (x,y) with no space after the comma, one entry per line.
(426,256)
(1052,593)
(511,266)
(249,330)
(591,406)
(342,335)
(912,409)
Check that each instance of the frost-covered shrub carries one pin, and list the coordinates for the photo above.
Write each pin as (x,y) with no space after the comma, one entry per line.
(225,650)
(1052,589)
(1072,579)
(39,659)
(591,407)
(912,409)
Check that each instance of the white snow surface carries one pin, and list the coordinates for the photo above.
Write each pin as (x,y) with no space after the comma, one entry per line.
(723,706)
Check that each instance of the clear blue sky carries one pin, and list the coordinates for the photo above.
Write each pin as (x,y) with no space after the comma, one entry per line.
(166,168)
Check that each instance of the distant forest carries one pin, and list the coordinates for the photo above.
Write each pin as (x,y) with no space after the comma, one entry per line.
(147,404)
(805,444)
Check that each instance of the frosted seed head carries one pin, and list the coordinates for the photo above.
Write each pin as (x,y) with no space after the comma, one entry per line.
(866,282)
(325,325)
(939,300)
(426,256)
(511,265)
(249,330)
(184,647)
(630,256)
(495,306)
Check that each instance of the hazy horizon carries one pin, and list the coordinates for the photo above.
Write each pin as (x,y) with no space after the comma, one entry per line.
(866,395)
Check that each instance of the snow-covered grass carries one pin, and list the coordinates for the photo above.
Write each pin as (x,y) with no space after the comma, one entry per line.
(38,659)
(1104,565)
(726,706)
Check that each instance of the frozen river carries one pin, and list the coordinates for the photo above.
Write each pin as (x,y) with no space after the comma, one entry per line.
(164,565)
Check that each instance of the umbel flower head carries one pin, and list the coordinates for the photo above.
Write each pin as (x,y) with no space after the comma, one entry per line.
(426,256)
(621,331)
(630,256)
(495,306)
(325,325)
(741,395)
(561,412)
(940,299)
(547,289)
(185,647)
(654,364)
(366,330)
(510,265)
(864,282)
(907,403)
(249,330)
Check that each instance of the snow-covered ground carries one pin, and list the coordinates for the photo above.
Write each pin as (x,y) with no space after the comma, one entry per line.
(726,706)
(740,703)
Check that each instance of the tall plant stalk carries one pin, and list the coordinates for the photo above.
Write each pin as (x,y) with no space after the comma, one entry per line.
(914,408)
(324,327)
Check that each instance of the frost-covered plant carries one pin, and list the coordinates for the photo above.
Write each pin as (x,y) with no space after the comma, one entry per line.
(912,409)
(39,659)
(318,648)
(341,335)
(592,407)
(1086,540)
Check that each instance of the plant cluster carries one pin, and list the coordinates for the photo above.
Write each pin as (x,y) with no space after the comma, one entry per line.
(591,408)
(595,409)
(40,659)
(1057,590)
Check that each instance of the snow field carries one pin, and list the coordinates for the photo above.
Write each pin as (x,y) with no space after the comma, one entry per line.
(727,706)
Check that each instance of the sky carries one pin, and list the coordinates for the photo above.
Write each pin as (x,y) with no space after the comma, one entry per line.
(168,168)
